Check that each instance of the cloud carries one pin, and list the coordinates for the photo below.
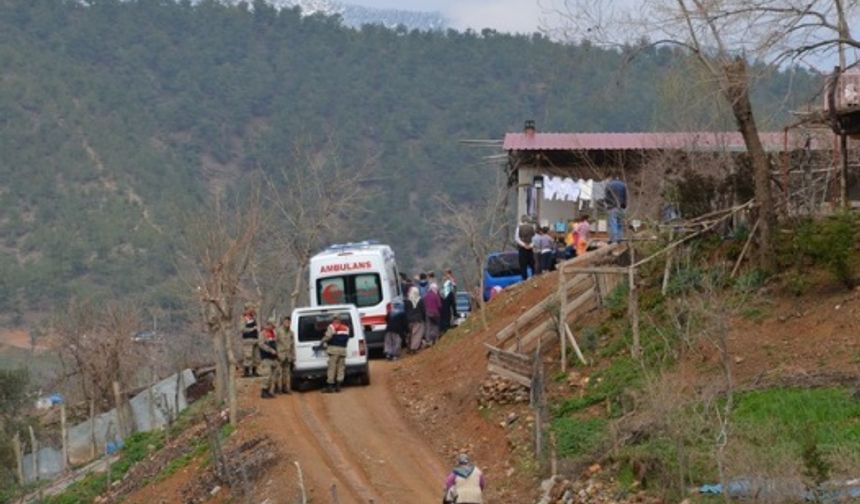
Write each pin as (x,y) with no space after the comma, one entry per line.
(501,15)
(521,16)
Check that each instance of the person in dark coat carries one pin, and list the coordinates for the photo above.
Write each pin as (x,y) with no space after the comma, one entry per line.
(449,301)
(395,330)
(433,311)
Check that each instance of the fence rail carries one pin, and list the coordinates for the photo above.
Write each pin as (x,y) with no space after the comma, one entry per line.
(584,282)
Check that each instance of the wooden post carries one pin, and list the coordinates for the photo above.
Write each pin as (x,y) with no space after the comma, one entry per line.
(667,270)
(34,450)
(843,171)
(600,288)
(122,425)
(633,304)
(64,433)
(562,317)
(108,433)
(575,345)
(19,457)
(150,399)
(93,451)
(744,250)
(517,332)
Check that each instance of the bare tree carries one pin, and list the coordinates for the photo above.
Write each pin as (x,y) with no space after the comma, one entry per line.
(221,244)
(96,351)
(316,198)
(478,228)
(722,35)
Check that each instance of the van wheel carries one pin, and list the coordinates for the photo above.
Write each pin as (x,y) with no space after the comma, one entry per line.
(364,378)
(298,385)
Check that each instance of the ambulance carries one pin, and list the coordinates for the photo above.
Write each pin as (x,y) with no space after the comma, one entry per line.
(362,274)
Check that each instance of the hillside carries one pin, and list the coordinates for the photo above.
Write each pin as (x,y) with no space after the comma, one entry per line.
(795,373)
(119,117)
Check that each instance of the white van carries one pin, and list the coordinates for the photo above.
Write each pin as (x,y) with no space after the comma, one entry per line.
(363,274)
(308,326)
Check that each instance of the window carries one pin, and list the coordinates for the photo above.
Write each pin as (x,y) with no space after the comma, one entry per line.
(503,265)
(331,291)
(312,327)
(367,292)
(361,290)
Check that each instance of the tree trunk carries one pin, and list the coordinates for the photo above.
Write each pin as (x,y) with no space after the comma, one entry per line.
(221,365)
(298,282)
(232,398)
(736,90)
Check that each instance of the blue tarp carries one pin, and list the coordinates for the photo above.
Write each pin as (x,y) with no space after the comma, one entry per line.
(747,488)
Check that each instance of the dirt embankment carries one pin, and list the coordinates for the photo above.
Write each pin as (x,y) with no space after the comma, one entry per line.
(355,444)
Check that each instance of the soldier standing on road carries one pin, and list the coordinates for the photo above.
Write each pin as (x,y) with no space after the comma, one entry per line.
(465,484)
(335,340)
(269,359)
(286,354)
(250,337)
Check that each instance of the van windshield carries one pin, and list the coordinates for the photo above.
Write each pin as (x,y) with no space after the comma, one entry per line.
(360,290)
(503,265)
(312,327)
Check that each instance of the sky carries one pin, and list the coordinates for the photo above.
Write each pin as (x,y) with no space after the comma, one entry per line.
(521,16)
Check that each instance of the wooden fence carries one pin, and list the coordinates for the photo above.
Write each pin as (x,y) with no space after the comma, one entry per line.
(583,284)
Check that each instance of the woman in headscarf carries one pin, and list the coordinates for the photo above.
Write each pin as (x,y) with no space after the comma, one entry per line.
(433,310)
(415,317)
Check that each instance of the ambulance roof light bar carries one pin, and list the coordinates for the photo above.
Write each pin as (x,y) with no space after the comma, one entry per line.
(352,245)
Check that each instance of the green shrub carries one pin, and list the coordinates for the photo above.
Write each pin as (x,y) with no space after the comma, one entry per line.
(750,281)
(830,243)
(576,436)
(607,384)
(616,301)
(685,280)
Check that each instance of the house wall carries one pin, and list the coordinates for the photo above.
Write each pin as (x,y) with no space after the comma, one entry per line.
(549,211)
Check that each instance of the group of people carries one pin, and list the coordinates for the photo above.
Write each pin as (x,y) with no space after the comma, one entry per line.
(536,246)
(428,313)
(269,349)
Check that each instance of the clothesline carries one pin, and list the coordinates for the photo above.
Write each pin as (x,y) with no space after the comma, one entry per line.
(568,189)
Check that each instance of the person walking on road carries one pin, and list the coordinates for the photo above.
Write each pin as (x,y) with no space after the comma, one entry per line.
(395,328)
(269,359)
(523,237)
(335,340)
(465,484)
(286,354)
(415,318)
(616,202)
(250,341)
(432,310)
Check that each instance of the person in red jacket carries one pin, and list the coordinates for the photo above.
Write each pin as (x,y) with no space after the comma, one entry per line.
(335,341)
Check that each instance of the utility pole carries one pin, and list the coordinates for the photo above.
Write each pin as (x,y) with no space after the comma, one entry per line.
(843,139)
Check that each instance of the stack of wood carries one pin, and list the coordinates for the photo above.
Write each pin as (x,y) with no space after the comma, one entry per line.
(500,391)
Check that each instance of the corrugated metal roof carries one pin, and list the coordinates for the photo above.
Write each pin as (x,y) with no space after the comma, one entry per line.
(702,141)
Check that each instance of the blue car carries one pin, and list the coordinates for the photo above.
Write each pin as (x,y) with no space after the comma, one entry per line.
(502,269)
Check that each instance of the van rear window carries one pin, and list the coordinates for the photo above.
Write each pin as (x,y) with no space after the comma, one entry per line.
(503,265)
(360,290)
(312,327)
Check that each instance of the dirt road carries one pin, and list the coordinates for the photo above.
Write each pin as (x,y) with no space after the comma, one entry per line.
(357,440)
